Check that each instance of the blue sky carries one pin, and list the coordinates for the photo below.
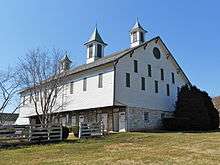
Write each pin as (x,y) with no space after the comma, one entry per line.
(189,28)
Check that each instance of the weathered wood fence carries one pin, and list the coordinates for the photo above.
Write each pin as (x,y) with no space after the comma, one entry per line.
(51,133)
(31,133)
(89,130)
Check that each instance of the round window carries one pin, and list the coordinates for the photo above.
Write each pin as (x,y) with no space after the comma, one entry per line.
(156,53)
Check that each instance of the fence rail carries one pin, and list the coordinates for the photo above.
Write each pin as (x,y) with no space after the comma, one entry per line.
(89,130)
(31,133)
(53,133)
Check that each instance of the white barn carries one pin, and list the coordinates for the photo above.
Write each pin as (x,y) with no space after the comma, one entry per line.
(128,90)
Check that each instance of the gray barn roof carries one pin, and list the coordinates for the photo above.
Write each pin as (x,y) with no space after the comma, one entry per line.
(8,117)
(107,59)
(113,57)
(96,37)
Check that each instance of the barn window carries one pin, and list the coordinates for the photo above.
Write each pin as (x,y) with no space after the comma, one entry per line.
(162,74)
(100,82)
(142,83)
(90,51)
(135,66)
(84,84)
(128,80)
(99,50)
(168,90)
(71,87)
(156,86)
(134,36)
(173,78)
(142,36)
(149,71)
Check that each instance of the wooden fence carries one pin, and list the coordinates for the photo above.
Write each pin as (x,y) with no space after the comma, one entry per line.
(14,132)
(89,130)
(30,133)
(42,134)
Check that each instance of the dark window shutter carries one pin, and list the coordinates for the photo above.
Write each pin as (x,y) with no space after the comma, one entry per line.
(149,71)
(142,83)
(156,87)
(128,80)
(99,50)
(135,66)
(100,83)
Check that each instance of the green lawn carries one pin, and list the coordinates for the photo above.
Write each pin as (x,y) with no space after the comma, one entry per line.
(123,148)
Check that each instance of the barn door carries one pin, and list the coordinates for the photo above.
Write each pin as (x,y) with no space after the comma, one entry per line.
(121,121)
(116,121)
(104,118)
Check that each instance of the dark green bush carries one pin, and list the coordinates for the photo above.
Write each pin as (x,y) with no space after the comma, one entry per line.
(176,124)
(197,107)
(65,132)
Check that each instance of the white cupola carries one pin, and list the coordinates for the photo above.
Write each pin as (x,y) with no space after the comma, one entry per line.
(65,63)
(137,34)
(95,47)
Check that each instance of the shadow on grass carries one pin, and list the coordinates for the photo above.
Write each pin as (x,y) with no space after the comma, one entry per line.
(71,140)
(22,144)
(178,131)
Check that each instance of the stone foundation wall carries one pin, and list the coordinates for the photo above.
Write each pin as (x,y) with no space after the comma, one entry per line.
(136,118)
(90,116)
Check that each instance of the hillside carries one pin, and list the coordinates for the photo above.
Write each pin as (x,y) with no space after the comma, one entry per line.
(123,148)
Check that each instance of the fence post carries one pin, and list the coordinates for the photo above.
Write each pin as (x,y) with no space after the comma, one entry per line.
(61,132)
(30,133)
(102,128)
(48,132)
(80,129)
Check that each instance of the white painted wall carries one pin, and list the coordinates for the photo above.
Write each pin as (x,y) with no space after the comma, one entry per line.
(93,97)
(138,42)
(134,96)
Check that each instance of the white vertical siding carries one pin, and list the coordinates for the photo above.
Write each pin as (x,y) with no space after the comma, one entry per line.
(134,96)
(93,97)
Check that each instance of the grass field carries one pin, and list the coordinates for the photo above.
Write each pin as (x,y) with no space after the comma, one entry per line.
(122,148)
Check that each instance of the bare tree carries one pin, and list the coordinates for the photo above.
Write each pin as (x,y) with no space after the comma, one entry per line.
(42,79)
(8,89)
